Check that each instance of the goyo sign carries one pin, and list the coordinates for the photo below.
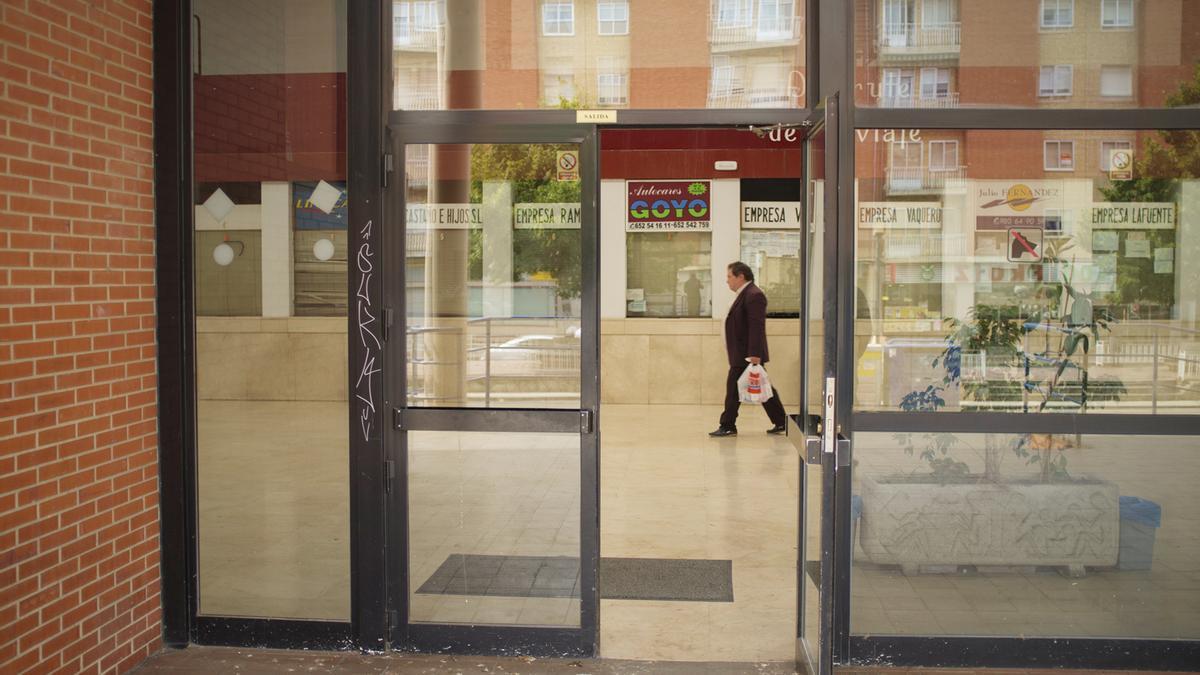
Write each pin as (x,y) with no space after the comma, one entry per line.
(668,206)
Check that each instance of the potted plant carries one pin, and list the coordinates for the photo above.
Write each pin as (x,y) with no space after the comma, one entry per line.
(1029,357)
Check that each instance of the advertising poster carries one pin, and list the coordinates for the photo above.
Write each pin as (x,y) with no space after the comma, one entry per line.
(1001,205)
(309,217)
(668,206)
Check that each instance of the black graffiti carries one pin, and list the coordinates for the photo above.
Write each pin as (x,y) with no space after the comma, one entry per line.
(364,387)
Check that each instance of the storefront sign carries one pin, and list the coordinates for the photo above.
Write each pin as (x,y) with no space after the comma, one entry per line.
(1133,215)
(444,216)
(899,215)
(772,215)
(668,206)
(531,216)
(1001,205)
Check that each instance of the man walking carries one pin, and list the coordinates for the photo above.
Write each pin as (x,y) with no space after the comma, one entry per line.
(746,342)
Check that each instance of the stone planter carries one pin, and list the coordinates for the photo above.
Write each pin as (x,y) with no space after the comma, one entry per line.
(914,524)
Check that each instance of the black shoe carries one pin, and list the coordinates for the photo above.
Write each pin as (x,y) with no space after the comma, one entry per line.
(777,429)
(723,431)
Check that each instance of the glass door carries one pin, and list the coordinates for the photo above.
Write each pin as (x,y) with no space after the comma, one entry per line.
(815,429)
(493,516)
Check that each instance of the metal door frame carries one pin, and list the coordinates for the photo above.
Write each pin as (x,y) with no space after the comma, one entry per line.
(462,638)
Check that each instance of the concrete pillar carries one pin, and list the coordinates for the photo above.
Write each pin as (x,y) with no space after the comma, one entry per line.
(277,249)
(726,239)
(497,248)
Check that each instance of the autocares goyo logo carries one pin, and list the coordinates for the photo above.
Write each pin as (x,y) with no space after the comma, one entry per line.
(668,205)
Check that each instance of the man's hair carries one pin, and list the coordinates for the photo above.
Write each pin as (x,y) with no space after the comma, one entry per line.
(741,269)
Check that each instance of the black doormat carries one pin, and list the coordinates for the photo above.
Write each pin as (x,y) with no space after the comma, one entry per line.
(558,577)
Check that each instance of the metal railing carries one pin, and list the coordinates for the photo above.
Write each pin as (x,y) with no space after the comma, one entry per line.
(919,36)
(949,100)
(754,31)
(922,179)
(495,352)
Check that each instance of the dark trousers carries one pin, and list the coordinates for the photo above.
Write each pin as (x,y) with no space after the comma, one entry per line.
(773,405)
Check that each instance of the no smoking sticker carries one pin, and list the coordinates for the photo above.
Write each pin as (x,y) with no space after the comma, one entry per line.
(568,165)
(1025,244)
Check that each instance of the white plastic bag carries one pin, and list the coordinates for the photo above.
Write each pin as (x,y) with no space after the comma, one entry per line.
(754,386)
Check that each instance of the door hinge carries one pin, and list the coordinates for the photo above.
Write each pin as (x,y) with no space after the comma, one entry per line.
(389,165)
(393,619)
(397,419)
(389,474)
(388,318)
(843,452)
(585,421)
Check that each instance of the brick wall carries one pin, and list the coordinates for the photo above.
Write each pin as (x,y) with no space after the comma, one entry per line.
(79,551)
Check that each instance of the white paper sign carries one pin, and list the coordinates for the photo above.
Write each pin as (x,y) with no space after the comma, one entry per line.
(1137,248)
(896,215)
(772,215)
(561,215)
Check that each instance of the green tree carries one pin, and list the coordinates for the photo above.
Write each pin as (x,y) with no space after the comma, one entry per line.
(531,170)
(1167,158)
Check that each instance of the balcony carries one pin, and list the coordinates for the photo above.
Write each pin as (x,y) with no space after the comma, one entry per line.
(415,39)
(758,97)
(911,41)
(949,100)
(755,34)
(924,180)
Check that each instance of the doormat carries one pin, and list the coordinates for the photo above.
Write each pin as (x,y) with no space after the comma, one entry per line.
(558,577)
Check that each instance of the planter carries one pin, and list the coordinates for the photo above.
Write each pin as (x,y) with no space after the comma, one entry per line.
(913,524)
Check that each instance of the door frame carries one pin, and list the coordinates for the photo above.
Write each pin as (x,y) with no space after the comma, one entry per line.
(462,638)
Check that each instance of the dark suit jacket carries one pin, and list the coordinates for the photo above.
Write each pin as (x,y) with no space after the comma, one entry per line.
(746,326)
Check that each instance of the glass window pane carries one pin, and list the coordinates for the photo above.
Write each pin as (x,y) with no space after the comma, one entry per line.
(1017,272)
(668,274)
(1025,534)
(998,53)
(494,528)
(493,276)
(496,55)
(272,443)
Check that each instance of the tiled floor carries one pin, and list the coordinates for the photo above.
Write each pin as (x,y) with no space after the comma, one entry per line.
(274,520)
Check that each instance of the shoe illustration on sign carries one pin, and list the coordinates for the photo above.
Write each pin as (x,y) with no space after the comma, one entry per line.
(1025,244)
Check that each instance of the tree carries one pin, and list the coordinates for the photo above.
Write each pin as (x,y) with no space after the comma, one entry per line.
(1166,159)
(532,172)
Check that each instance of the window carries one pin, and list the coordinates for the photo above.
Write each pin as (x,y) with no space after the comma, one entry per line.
(668,274)
(723,80)
(401,23)
(1116,13)
(411,17)
(612,82)
(1055,81)
(775,18)
(1116,81)
(905,170)
(937,13)
(613,17)
(896,17)
(558,86)
(1060,155)
(558,18)
(898,87)
(1058,13)
(935,83)
(1106,148)
(733,13)
(943,155)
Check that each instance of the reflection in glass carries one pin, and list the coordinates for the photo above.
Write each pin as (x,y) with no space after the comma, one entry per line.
(598,53)
(1048,271)
(668,274)
(971,534)
(493,276)
(1045,53)
(494,528)
(273,502)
